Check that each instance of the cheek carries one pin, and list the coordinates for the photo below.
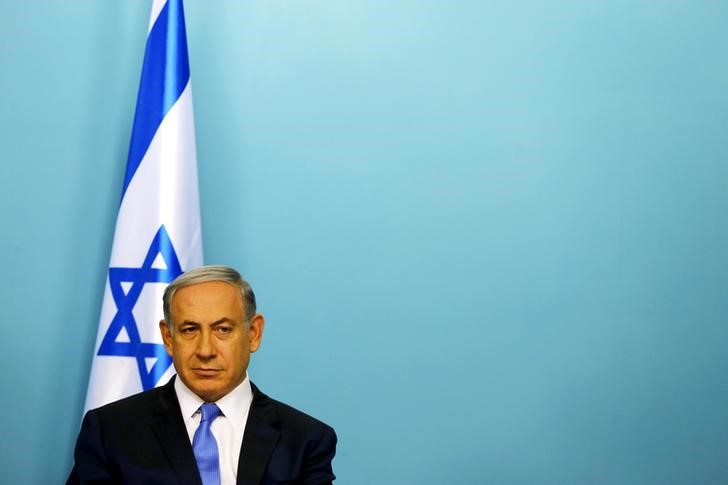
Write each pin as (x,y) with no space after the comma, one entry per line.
(182,351)
(239,357)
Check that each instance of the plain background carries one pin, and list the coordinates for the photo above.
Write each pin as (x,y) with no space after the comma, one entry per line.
(489,237)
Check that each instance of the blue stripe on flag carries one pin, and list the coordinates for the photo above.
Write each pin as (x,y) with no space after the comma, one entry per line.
(165,74)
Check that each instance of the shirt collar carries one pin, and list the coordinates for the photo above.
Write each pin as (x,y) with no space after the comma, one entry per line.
(234,405)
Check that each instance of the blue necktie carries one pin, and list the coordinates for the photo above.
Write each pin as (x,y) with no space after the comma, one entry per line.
(204,446)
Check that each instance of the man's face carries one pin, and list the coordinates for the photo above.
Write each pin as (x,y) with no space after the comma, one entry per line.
(210,345)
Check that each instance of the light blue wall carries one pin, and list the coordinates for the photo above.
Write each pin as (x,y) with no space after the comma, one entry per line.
(490,238)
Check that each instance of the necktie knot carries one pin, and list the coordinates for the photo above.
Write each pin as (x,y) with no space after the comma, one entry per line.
(210,411)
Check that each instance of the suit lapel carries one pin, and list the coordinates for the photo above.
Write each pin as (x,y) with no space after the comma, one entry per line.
(262,432)
(168,425)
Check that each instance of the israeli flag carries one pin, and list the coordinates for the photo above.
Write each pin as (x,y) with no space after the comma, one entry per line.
(158,234)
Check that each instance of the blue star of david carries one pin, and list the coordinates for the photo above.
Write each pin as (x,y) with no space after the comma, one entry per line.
(124,318)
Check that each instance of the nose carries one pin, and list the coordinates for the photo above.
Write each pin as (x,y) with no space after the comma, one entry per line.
(206,346)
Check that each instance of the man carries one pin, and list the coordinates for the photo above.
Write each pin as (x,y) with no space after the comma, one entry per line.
(209,424)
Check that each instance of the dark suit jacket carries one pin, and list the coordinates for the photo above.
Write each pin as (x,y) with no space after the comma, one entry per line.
(142,439)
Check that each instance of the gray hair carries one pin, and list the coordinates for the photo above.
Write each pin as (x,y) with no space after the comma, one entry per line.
(205,274)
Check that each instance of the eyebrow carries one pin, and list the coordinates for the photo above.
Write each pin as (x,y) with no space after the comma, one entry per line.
(216,322)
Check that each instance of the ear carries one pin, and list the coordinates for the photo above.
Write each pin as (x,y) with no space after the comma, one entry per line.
(255,332)
(166,336)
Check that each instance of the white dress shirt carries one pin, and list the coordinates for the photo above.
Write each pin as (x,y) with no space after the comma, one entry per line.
(228,428)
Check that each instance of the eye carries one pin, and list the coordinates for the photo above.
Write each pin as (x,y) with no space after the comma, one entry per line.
(187,330)
(224,330)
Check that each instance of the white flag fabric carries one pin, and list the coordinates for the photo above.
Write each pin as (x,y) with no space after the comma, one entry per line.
(158,233)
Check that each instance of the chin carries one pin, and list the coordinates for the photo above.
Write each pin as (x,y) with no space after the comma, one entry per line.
(204,390)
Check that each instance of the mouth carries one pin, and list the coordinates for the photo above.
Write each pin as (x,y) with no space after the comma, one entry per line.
(206,372)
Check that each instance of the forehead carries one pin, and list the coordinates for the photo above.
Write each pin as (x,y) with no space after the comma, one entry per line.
(212,299)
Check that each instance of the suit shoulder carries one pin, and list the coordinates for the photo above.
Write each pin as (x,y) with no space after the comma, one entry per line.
(290,418)
(288,413)
(140,403)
